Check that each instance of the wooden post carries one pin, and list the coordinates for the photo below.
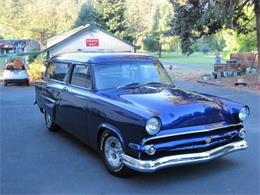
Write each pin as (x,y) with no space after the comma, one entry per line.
(160,50)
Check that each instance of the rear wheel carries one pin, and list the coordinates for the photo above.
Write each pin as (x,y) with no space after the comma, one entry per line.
(111,152)
(49,122)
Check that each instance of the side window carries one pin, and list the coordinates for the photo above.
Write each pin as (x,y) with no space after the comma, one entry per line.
(57,71)
(81,76)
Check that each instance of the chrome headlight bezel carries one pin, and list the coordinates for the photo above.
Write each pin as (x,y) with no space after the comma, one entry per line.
(244,113)
(153,126)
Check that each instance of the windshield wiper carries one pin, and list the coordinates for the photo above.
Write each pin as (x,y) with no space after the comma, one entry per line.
(128,85)
(155,83)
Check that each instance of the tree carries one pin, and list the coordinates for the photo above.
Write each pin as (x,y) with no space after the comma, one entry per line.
(112,18)
(152,42)
(194,19)
(87,15)
(205,48)
(161,20)
(139,16)
(36,19)
(216,42)
(239,42)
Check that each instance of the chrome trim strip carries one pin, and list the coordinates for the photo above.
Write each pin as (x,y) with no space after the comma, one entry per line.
(55,80)
(49,99)
(188,132)
(78,87)
(174,160)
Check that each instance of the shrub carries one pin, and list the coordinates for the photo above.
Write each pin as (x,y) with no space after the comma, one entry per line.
(205,48)
(151,42)
(32,57)
(37,68)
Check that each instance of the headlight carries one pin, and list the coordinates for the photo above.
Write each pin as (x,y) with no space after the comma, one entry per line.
(153,126)
(244,113)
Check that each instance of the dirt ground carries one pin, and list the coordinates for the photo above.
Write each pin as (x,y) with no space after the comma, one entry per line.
(195,75)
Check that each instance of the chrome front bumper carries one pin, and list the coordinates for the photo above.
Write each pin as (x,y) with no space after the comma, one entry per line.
(169,161)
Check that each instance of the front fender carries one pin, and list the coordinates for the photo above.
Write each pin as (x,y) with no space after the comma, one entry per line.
(112,130)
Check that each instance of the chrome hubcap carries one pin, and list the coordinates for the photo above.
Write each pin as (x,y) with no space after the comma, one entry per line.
(48,119)
(113,150)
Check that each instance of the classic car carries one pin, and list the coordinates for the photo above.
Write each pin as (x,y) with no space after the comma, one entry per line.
(127,107)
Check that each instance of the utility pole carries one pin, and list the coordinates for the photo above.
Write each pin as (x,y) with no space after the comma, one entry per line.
(42,37)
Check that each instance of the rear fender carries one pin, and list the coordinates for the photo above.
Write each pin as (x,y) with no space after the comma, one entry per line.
(44,102)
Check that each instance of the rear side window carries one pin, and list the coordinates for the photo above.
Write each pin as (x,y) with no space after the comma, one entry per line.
(57,71)
(81,76)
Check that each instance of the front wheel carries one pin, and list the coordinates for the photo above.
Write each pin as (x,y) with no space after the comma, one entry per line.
(49,122)
(111,150)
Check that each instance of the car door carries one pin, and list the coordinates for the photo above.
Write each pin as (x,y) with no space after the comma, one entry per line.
(49,90)
(74,101)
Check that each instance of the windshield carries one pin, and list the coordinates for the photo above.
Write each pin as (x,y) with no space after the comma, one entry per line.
(118,74)
(15,67)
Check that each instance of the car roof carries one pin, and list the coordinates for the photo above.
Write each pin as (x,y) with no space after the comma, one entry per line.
(102,57)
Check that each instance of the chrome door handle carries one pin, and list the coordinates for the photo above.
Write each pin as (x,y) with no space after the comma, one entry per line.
(65,89)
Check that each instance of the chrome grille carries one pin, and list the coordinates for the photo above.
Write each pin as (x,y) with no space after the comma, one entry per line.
(190,142)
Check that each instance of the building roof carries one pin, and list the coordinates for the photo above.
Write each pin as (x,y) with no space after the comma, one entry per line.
(59,39)
(10,43)
(83,57)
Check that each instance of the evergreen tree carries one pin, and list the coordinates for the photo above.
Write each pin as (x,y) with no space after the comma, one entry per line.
(160,28)
(87,14)
(139,16)
(112,17)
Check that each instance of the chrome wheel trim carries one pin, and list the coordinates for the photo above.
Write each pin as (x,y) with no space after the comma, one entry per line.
(113,150)
(48,119)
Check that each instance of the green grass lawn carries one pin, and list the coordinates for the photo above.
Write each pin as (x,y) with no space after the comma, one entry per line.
(197,58)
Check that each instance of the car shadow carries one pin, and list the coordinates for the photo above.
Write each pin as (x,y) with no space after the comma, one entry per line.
(76,142)
(192,170)
(187,174)
(179,173)
(15,85)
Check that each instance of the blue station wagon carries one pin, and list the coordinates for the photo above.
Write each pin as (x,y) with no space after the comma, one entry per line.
(127,108)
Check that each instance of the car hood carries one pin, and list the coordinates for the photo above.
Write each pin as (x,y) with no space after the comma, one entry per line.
(175,107)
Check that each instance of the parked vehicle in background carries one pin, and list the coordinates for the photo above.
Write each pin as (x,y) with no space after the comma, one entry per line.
(126,107)
(15,72)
